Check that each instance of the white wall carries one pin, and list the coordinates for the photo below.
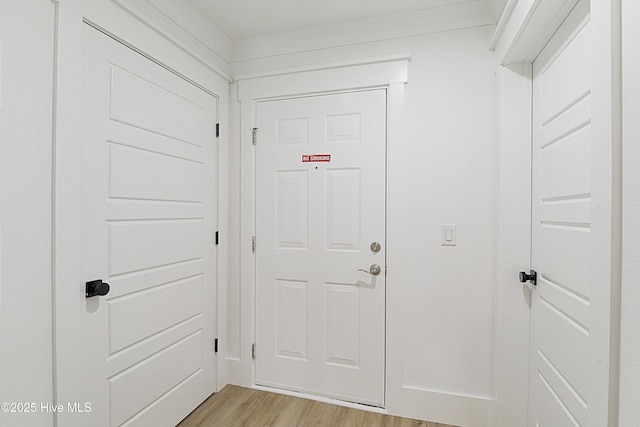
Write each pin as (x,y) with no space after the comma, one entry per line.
(26,95)
(450,171)
(630,347)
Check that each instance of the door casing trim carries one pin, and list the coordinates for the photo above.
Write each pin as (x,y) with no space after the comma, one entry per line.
(379,73)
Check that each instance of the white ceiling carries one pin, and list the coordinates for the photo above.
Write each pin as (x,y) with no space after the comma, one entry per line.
(243,19)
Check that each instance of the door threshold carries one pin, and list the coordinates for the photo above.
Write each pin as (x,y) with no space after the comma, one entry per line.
(323,399)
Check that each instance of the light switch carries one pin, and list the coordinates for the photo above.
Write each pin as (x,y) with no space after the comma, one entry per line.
(448,235)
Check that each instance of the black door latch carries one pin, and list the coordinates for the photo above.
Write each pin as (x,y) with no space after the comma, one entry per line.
(96,287)
(531,277)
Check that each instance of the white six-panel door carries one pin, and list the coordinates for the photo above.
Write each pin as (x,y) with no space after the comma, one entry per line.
(320,322)
(144,352)
(565,370)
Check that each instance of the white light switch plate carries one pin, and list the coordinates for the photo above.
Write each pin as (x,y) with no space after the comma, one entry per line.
(448,235)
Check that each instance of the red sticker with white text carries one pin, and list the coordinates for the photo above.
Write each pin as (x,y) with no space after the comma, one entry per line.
(314,158)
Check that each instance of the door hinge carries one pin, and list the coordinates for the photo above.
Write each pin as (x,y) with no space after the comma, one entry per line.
(254,136)
(217,238)
(253,244)
(215,345)
(217,130)
(253,351)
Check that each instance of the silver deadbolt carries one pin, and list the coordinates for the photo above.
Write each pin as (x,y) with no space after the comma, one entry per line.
(374,270)
(375,247)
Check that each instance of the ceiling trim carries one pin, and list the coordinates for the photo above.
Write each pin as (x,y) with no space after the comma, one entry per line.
(247,19)
(531,25)
(186,41)
(324,80)
(329,66)
(503,20)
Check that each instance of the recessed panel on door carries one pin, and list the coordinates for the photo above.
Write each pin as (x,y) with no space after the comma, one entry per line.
(555,410)
(343,128)
(293,312)
(563,345)
(294,131)
(343,209)
(138,102)
(170,304)
(564,255)
(145,382)
(139,245)
(342,324)
(564,166)
(292,210)
(141,174)
(567,77)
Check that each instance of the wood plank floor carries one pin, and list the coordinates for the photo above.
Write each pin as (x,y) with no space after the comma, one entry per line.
(239,406)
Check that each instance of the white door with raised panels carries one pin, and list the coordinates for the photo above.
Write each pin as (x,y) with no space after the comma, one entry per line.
(143,354)
(568,379)
(320,218)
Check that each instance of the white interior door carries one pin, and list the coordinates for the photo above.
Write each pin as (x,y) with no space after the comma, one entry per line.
(144,352)
(566,369)
(320,202)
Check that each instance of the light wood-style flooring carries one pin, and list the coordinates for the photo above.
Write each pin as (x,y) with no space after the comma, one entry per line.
(239,406)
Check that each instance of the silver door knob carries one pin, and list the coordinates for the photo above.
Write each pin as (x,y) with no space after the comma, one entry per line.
(374,270)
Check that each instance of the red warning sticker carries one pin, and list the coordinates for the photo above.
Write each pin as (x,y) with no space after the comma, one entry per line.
(313,158)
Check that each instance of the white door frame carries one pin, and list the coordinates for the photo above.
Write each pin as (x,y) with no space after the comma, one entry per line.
(389,73)
(525,28)
(133,29)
